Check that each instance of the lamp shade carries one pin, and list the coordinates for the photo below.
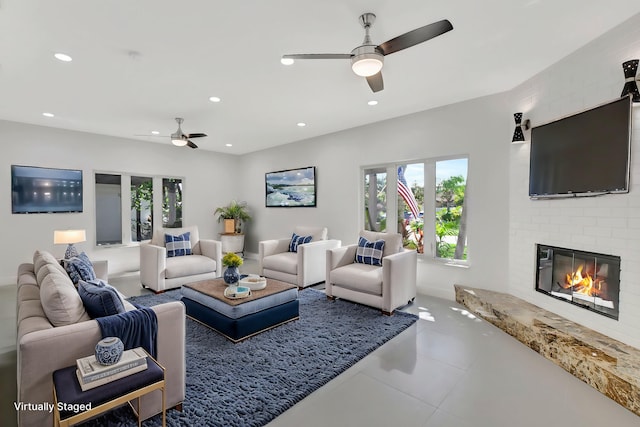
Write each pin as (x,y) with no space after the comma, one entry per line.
(69,236)
(630,86)
(518,135)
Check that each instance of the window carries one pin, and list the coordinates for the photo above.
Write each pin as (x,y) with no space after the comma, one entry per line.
(108,209)
(375,200)
(141,208)
(171,202)
(451,212)
(426,199)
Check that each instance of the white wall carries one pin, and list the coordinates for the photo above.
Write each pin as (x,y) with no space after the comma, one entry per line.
(206,175)
(608,224)
(479,128)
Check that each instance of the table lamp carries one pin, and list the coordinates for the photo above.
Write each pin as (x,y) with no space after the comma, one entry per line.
(69,237)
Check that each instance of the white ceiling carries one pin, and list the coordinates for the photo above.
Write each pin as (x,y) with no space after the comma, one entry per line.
(138,64)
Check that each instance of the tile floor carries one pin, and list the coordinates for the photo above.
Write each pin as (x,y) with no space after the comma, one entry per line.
(449,369)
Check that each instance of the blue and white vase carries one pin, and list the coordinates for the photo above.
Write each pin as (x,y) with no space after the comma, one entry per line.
(109,350)
(231,275)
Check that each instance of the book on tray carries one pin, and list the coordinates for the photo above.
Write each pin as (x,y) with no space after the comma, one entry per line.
(92,374)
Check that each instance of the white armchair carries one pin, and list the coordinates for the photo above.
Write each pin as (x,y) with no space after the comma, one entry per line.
(160,273)
(303,268)
(386,287)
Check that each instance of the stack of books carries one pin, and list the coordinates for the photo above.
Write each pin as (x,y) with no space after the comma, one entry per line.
(92,374)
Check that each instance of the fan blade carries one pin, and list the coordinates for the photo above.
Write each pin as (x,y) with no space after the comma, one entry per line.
(319,56)
(416,36)
(375,82)
(191,144)
(196,135)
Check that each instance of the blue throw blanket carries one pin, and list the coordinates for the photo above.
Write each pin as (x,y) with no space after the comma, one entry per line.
(136,328)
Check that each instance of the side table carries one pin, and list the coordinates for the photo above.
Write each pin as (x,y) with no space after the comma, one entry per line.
(72,405)
(232,242)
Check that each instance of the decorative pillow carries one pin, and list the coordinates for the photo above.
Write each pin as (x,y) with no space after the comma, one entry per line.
(100,299)
(178,245)
(60,300)
(80,268)
(369,252)
(298,240)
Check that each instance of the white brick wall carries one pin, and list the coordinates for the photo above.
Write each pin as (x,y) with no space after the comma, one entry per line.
(608,224)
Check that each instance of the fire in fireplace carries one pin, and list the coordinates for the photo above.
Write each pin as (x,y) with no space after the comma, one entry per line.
(589,280)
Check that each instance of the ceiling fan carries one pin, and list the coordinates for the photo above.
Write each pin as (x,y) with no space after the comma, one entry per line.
(181,139)
(367,59)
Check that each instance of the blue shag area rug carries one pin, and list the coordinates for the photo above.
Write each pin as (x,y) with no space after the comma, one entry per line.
(252,382)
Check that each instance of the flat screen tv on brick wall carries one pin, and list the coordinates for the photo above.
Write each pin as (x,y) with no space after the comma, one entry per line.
(585,154)
(45,190)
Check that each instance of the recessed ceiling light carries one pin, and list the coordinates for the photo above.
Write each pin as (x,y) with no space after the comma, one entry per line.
(301,124)
(228,145)
(63,57)
(155,132)
(373,102)
(286,61)
(48,114)
(214,99)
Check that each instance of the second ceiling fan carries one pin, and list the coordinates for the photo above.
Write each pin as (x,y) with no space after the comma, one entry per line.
(367,59)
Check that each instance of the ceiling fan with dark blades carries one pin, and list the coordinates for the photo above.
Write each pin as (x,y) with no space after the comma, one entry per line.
(179,138)
(367,59)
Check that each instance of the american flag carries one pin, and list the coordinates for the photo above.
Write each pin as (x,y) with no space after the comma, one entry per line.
(406,193)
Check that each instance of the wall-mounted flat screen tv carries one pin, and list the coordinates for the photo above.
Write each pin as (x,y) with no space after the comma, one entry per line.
(291,188)
(585,154)
(45,190)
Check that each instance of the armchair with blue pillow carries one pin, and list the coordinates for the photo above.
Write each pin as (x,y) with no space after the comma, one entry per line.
(176,256)
(299,259)
(377,271)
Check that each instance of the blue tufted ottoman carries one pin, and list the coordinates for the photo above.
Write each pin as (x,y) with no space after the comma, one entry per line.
(238,319)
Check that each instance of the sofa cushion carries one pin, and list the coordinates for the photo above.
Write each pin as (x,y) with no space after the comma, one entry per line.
(360,277)
(178,245)
(80,268)
(286,262)
(60,300)
(188,266)
(298,240)
(369,252)
(100,299)
(42,258)
(392,241)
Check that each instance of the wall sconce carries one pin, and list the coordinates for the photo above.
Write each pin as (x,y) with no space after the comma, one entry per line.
(69,237)
(518,134)
(630,86)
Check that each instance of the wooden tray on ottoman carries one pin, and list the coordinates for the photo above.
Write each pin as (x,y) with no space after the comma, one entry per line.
(238,319)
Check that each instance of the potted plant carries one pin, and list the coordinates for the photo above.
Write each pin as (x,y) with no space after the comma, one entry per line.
(231,273)
(234,213)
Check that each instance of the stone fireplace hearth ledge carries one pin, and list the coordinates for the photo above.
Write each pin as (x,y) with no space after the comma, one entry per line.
(609,366)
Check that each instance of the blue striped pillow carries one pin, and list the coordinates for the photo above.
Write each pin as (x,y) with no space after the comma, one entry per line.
(369,252)
(178,245)
(298,240)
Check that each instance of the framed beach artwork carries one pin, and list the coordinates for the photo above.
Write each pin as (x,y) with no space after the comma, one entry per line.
(291,188)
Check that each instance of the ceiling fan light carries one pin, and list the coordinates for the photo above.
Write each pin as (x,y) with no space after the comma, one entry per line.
(179,142)
(367,64)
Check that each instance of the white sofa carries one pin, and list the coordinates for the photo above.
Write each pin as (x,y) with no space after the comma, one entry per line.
(46,297)
(303,268)
(160,273)
(386,287)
